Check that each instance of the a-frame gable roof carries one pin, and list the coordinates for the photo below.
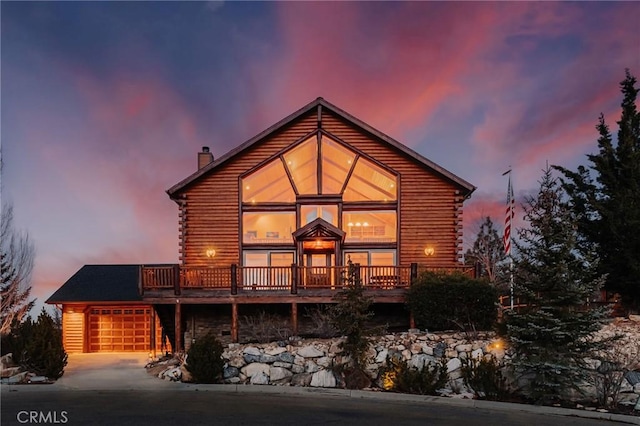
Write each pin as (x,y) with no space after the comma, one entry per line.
(466,187)
(319,228)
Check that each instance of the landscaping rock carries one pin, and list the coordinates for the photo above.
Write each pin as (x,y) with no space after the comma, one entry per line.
(310,352)
(453,364)
(230,371)
(285,357)
(275,351)
(251,350)
(267,359)
(251,370)
(278,374)
(6,361)
(10,371)
(18,378)
(323,379)
(259,378)
(301,379)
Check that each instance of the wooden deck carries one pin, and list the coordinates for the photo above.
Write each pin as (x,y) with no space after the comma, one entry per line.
(161,284)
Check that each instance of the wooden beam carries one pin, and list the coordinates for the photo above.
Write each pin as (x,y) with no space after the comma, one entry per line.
(294,318)
(234,323)
(178,327)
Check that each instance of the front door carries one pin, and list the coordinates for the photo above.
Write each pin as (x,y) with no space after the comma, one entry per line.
(319,253)
(320,269)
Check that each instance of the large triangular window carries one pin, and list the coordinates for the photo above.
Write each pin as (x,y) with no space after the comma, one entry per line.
(302,162)
(369,182)
(319,165)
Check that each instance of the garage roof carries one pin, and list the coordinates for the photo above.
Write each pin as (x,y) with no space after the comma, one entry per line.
(100,283)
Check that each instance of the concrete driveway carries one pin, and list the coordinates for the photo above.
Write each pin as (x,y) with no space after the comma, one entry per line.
(102,371)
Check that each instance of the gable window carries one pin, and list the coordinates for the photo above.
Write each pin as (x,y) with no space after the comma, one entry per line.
(302,162)
(268,184)
(308,213)
(369,182)
(337,161)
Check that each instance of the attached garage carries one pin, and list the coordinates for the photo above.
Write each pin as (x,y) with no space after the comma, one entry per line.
(102,311)
(119,329)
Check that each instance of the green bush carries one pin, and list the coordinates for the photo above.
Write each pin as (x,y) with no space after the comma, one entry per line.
(440,301)
(484,376)
(398,376)
(204,360)
(37,346)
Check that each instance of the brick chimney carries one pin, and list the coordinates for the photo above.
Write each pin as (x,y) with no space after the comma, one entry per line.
(204,157)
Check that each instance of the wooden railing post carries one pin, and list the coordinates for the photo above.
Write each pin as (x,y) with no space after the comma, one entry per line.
(176,279)
(357,274)
(178,327)
(414,272)
(141,280)
(294,278)
(234,279)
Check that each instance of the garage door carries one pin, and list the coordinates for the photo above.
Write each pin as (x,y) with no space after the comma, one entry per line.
(119,329)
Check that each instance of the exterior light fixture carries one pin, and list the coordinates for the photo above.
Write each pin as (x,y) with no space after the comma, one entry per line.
(429,251)
(211,253)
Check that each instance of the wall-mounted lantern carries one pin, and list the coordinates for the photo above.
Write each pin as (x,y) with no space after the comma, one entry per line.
(429,251)
(211,253)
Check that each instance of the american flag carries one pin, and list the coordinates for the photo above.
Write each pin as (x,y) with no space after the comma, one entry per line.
(508,218)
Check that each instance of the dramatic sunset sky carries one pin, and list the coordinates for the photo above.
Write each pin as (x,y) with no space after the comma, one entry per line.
(105,104)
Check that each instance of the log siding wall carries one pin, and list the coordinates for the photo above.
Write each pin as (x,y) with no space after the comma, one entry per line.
(430,207)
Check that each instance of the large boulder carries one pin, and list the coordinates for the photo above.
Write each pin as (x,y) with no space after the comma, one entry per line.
(285,357)
(259,378)
(301,379)
(278,374)
(323,379)
(255,368)
(310,351)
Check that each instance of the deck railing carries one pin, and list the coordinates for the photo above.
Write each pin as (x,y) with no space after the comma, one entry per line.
(273,278)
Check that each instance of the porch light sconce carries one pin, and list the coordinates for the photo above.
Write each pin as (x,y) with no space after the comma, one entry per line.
(429,251)
(210,253)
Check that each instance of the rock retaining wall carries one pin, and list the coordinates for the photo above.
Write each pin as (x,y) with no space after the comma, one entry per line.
(314,362)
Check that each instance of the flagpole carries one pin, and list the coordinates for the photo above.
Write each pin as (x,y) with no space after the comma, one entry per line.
(507,239)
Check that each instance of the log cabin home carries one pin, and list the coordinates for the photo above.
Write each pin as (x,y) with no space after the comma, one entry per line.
(271,226)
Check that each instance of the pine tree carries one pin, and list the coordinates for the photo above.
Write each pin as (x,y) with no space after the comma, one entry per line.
(37,346)
(351,314)
(16,264)
(550,335)
(606,197)
(487,253)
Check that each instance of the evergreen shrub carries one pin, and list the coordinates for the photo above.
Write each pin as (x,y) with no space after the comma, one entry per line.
(37,346)
(398,376)
(484,376)
(204,360)
(442,301)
